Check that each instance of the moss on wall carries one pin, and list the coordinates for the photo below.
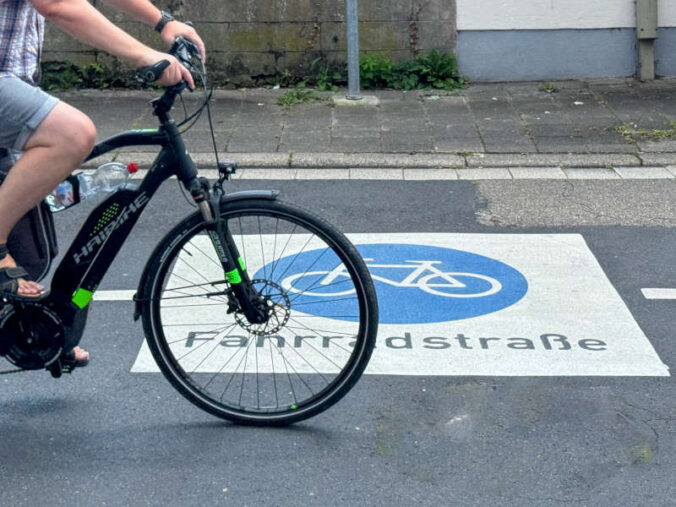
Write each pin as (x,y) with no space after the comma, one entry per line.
(250,41)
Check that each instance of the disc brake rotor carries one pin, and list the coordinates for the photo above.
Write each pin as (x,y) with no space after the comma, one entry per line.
(278,308)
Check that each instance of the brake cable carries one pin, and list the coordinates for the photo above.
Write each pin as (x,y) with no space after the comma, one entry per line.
(194,118)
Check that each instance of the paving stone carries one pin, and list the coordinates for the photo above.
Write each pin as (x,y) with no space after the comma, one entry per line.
(473,145)
(591,174)
(653,159)
(323,174)
(509,145)
(666,145)
(558,159)
(355,144)
(430,174)
(268,174)
(537,173)
(644,173)
(484,174)
(376,174)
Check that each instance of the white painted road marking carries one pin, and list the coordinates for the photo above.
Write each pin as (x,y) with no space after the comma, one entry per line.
(571,322)
(659,293)
(114,295)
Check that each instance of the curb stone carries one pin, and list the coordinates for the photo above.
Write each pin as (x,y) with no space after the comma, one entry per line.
(206,160)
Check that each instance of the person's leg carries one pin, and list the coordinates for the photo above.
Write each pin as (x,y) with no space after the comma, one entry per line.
(57,147)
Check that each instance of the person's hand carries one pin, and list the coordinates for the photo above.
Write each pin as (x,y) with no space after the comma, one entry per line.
(175,28)
(172,74)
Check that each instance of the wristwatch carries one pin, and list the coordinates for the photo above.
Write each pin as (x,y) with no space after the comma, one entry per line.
(166,18)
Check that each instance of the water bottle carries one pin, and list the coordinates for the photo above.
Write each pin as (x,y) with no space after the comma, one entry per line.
(92,184)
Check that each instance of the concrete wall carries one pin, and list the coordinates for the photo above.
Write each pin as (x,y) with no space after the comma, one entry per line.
(495,39)
(554,39)
(260,37)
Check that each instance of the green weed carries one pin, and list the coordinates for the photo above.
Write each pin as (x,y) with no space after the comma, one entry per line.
(632,134)
(325,79)
(66,75)
(549,88)
(297,96)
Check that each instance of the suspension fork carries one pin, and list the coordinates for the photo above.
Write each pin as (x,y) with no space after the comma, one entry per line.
(236,274)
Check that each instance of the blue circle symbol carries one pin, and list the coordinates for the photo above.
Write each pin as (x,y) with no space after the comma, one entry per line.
(416,284)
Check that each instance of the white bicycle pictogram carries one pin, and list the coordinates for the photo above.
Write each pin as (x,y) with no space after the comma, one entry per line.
(423,275)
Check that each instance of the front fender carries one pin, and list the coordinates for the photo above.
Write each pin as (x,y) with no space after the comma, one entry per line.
(270,195)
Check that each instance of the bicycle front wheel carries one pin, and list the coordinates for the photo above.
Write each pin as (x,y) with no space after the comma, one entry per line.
(309,353)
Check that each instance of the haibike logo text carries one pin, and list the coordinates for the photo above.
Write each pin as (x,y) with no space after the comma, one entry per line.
(100,238)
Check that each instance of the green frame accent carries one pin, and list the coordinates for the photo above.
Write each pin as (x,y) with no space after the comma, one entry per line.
(242,266)
(233,277)
(82,298)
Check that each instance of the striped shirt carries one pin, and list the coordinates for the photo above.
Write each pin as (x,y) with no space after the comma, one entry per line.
(22,31)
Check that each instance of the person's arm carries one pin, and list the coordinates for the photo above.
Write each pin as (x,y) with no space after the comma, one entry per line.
(144,11)
(85,23)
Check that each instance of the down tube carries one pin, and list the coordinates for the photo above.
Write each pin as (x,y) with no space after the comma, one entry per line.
(99,241)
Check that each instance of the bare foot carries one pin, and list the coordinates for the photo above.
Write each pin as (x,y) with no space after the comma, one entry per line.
(81,354)
(26,288)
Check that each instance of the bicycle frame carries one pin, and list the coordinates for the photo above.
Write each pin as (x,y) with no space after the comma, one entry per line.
(106,229)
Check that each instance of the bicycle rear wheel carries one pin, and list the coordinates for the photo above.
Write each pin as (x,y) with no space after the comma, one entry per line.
(309,353)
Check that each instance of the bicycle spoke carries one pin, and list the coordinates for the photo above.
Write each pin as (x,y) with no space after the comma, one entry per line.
(218,264)
(310,365)
(191,306)
(281,255)
(323,331)
(215,330)
(198,273)
(232,376)
(332,284)
(310,343)
(324,301)
(260,236)
(327,316)
(189,281)
(274,377)
(221,369)
(297,254)
(212,351)
(197,285)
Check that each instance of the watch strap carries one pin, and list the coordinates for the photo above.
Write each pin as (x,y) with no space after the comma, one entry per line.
(166,18)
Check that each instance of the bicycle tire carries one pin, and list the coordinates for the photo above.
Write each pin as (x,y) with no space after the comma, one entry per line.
(166,262)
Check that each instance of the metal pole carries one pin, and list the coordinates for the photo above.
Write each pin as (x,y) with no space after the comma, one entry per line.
(646,29)
(353,92)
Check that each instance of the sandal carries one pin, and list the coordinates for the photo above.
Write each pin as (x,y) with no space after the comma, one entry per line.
(71,361)
(9,279)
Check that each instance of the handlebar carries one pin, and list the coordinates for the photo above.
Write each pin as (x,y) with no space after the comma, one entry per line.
(182,49)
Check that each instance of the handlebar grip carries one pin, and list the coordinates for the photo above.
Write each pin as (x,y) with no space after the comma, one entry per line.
(152,73)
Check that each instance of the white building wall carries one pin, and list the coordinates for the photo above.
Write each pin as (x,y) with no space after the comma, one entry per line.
(557,39)
(667,13)
(546,14)
(555,14)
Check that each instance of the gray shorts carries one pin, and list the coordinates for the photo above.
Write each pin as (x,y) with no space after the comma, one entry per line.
(23,108)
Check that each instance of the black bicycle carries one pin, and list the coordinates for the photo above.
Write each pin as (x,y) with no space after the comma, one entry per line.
(256,310)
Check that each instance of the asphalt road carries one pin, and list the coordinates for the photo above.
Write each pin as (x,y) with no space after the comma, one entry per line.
(105,436)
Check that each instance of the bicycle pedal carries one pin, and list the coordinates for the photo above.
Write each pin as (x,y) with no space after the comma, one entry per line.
(56,369)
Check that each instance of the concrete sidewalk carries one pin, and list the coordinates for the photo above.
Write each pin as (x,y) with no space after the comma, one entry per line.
(584,124)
